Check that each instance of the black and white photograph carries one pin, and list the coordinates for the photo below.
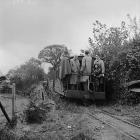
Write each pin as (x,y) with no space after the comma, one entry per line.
(69,70)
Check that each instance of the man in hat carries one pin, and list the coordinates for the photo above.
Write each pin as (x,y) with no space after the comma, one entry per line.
(99,68)
(86,69)
(65,69)
(75,67)
(98,71)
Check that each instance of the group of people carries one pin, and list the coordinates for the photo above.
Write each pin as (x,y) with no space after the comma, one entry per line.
(72,71)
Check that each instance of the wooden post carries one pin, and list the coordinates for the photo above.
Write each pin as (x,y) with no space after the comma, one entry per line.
(4,112)
(13,100)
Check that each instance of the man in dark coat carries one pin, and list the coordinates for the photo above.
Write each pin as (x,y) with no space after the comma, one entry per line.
(65,70)
(99,70)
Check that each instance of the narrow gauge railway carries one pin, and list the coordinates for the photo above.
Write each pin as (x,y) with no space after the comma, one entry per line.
(96,89)
(126,128)
(88,86)
(116,117)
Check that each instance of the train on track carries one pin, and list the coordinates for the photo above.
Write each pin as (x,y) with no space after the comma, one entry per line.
(96,89)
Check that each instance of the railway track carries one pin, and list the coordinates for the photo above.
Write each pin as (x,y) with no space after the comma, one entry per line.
(125,121)
(124,127)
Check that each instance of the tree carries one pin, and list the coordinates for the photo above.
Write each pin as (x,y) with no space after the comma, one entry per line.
(34,61)
(52,54)
(133,59)
(134,27)
(120,50)
(27,74)
(108,41)
(51,73)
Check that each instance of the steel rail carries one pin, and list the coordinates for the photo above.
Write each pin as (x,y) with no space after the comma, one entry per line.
(125,121)
(121,131)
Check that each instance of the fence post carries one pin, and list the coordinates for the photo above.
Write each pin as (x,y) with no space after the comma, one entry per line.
(4,112)
(13,100)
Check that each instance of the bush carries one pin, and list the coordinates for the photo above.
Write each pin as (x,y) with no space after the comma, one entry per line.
(120,54)
(128,97)
(6,134)
(34,114)
(26,75)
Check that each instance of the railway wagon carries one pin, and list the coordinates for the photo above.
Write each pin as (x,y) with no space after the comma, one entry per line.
(96,87)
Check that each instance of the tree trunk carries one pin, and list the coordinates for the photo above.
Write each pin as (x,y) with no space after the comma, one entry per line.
(54,78)
(54,84)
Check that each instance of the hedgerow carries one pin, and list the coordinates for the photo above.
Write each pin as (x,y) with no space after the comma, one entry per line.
(121,54)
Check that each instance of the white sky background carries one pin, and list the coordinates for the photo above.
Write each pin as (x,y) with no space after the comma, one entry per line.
(27,26)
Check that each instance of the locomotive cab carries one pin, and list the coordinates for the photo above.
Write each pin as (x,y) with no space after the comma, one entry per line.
(96,86)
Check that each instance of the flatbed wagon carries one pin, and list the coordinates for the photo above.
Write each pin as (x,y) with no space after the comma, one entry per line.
(95,91)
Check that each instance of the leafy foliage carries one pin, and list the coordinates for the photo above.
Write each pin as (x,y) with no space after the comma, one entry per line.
(27,75)
(128,97)
(134,27)
(52,54)
(108,42)
(119,51)
(34,114)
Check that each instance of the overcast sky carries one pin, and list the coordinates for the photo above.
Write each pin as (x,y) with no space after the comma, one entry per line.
(27,26)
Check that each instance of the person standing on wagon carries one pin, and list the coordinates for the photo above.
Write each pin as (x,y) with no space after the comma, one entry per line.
(99,70)
(65,70)
(75,68)
(86,69)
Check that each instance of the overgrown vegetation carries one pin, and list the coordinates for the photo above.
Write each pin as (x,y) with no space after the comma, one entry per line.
(35,114)
(27,75)
(119,47)
(52,54)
